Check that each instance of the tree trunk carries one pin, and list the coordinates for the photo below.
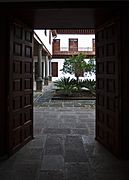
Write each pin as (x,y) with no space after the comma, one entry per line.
(77,78)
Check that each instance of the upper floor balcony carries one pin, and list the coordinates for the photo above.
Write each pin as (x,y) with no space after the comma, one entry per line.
(72,49)
(66,52)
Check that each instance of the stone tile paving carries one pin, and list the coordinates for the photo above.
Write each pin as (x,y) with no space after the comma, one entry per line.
(64,148)
(44,99)
(47,102)
(40,98)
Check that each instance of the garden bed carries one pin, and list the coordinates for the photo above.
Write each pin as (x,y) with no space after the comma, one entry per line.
(81,95)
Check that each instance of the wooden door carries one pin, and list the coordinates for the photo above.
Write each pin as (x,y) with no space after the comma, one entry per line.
(54,69)
(20,99)
(108,110)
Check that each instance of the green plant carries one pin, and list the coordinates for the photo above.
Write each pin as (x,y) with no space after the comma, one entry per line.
(77,65)
(65,85)
(90,84)
(68,86)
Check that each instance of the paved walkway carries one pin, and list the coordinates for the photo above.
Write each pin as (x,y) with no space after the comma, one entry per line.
(64,148)
(44,99)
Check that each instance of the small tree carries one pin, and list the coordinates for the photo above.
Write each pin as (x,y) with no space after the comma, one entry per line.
(76,65)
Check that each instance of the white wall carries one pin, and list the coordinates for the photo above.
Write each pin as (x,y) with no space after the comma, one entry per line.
(84,41)
(61,74)
(45,39)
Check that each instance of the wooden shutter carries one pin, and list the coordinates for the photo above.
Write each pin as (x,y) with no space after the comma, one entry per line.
(93,44)
(108,122)
(56,45)
(73,44)
(20,110)
(54,69)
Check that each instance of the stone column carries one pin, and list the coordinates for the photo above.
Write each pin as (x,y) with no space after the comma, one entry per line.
(46,71)
(39,78)
(50,70)
(43,67)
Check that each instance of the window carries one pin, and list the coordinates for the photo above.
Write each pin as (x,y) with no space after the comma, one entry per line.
(73,44)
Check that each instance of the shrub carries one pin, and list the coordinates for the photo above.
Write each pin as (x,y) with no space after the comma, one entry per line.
(65,85)
(90,84)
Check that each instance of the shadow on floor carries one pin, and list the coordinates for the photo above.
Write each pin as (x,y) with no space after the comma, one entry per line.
(64,148)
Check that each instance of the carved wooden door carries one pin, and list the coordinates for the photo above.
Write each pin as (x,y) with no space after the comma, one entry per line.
(108,111)
(20,99)
(54,69)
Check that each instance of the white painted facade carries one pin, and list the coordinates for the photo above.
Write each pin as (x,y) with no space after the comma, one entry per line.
(61,74)
(84,41)
(84,44)
(45,39)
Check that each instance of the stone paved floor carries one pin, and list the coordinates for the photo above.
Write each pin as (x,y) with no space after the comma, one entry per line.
(44,99)
(64,148)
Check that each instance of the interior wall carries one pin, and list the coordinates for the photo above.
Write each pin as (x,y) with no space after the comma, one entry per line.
(62,14)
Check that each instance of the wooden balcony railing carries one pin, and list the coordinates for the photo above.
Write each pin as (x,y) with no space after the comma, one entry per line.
(75,31)
(75,49)
(65,52)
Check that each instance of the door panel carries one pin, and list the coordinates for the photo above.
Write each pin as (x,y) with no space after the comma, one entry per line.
(54,69)
(108,86)
(20,110)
